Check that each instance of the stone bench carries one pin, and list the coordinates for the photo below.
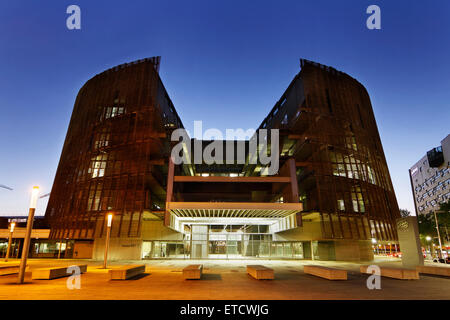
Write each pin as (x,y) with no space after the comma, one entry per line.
(260,272)
(55,272)
(126,272)
(324,272)
(438,271)
(9,268)
(396,273)
(193,271)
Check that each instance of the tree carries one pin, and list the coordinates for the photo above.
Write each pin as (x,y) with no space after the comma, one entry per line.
(426,223)
(443,216)
(445,207)
(405,213)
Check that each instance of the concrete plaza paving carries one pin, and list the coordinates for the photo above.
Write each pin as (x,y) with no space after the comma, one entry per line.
(222,279)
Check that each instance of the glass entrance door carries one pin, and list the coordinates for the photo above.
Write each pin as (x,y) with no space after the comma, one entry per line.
(226,242)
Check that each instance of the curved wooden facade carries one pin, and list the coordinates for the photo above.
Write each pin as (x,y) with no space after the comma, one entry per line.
(115,159)
(329,127)
(114,152)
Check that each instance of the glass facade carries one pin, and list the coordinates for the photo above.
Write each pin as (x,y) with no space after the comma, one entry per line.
(51,249)
(225,242)
(15,248)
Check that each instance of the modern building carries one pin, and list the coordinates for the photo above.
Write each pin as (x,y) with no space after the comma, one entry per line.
(39,247)
(330,199)
(430,178)
(40,244)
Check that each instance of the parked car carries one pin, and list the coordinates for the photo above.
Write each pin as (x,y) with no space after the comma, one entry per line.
(441,260)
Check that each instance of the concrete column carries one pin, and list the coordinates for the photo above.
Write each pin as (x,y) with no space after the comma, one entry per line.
(408,236)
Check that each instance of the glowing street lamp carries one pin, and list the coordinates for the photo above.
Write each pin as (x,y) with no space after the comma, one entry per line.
(428,238)
(26,243)
(108,234)
(374,241)
(11,231)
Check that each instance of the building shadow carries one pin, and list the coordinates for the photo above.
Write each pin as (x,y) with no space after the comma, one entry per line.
(211,276)
(137,277)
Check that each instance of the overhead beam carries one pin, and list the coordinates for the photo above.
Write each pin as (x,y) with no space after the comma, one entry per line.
(268,179)
(234,206)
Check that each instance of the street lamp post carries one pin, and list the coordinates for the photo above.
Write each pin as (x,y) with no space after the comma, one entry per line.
(374,241)
(59,250)
(108,234)
(439,237)
(428,238)
(26,243)
(11,231)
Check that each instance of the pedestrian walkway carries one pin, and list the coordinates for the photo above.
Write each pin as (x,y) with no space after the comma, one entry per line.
(222,279)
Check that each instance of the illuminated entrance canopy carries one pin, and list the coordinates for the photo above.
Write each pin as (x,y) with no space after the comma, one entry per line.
(233,209)
(287,180)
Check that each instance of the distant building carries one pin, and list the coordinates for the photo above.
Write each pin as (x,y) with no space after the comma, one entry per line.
(430,178)
(39,237)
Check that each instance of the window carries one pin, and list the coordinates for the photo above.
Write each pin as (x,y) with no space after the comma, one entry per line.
(111,112)
(341,205)
(102,140)
(280,200)
(357,200)
(94,199)
(351,143)
(337,164)
(350,167)
(371,175)
(98,165)
(355,205)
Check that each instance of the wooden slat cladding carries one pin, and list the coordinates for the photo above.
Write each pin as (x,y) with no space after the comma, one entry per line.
(327,116)
(118,124)
(117,148)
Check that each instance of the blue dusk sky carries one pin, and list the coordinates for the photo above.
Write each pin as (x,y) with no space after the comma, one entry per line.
(223,62)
